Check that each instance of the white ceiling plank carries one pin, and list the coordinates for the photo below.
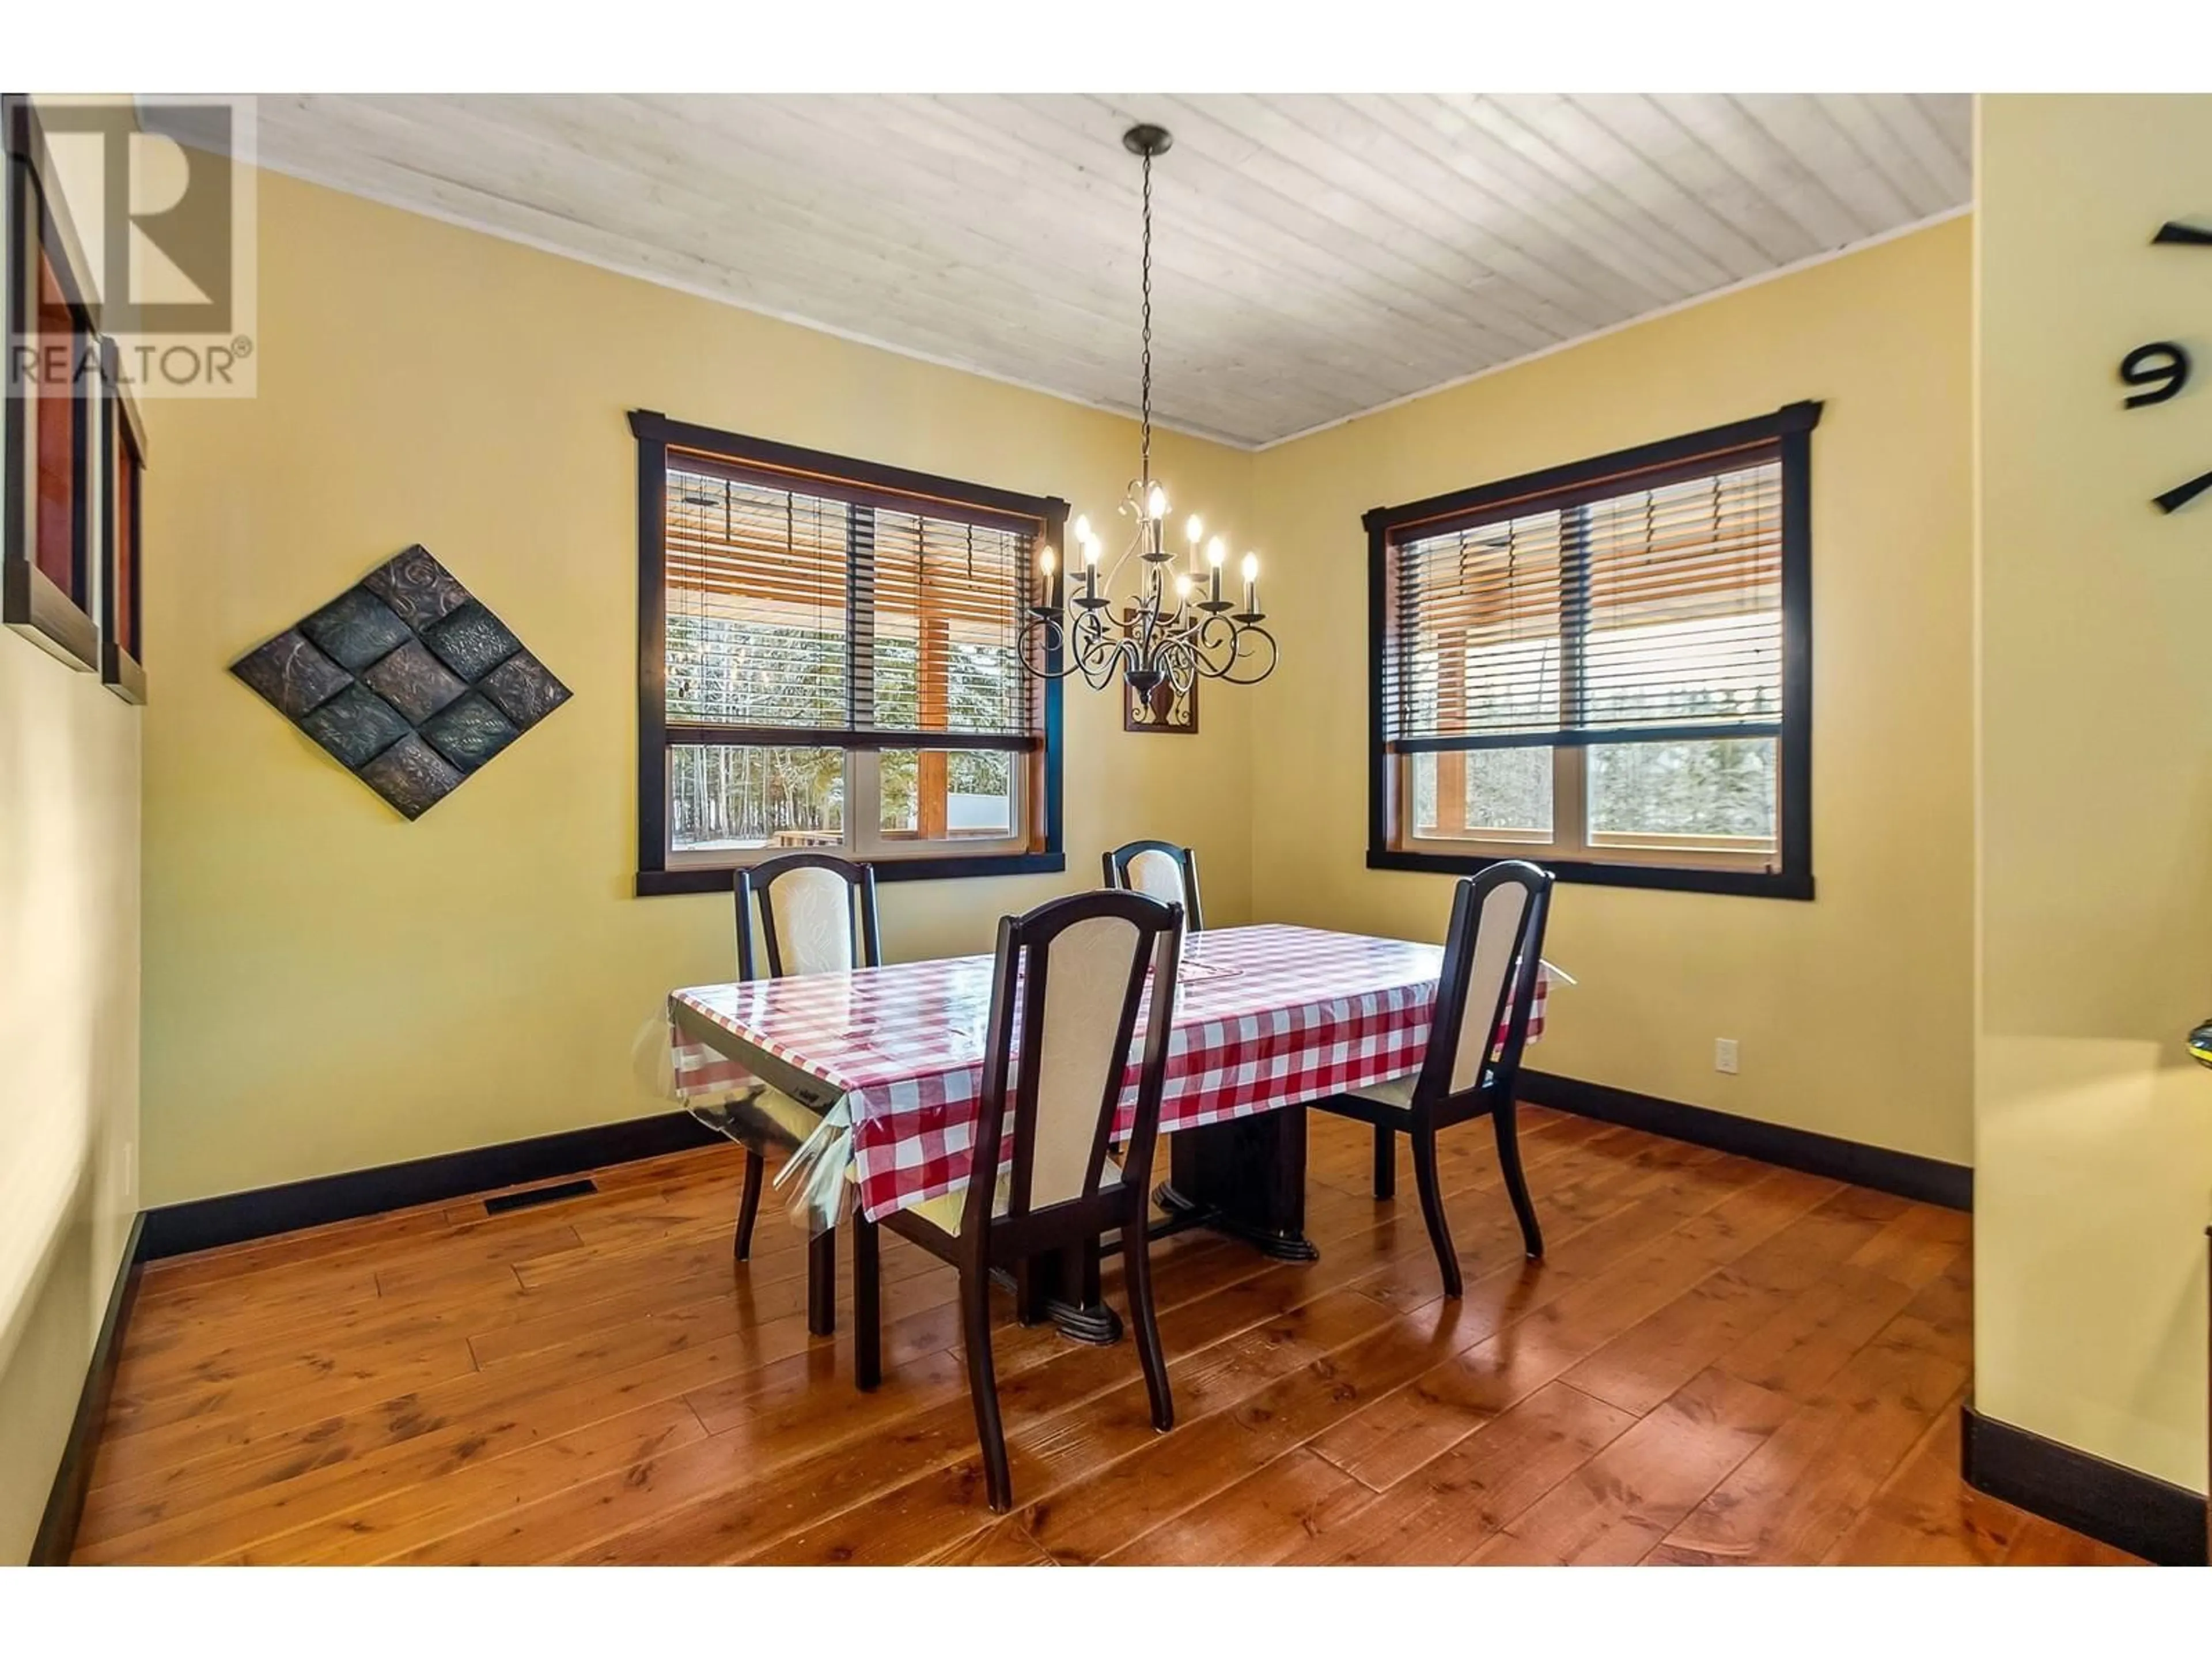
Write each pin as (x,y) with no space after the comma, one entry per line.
(1800,126)
(1938,128)
(1347,151)
(1289,241)
(1318,255)
(1858,117)
(1493,206)
(1728,130)
(1287,168)
(1093,219)
(1645,196)
(1667,267)
(1646,130)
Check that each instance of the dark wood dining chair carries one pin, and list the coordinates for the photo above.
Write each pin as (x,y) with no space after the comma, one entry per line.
(810,907)
(1069,975)
(1160,870)
(1485,995)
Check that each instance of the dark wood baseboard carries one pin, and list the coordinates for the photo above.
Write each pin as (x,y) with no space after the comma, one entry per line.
(56,1534)
(208,1223)
(2120,1506)
(1907,1174)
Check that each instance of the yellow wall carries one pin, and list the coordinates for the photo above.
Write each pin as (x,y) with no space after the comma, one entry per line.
(329,987)
(2094,1130)
(69,1048)
(1852,1011)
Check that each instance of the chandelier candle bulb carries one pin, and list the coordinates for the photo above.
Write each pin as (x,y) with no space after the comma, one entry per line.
(1048,582)
(1251,584)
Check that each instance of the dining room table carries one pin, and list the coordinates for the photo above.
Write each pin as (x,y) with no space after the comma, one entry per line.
(889,1059)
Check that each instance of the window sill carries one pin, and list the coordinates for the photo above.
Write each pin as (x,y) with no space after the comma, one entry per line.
(718,878)
(1741,883)
(31,604)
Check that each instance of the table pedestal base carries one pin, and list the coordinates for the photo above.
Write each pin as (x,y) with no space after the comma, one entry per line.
(1063,1287)
(1245,1177)
(1186,1212)
(1095,1323)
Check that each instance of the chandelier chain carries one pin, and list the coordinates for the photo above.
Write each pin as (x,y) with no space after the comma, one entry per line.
(1147,281)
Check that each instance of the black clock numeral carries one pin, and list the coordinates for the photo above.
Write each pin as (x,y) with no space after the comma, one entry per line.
(2162,366)
(2181,495)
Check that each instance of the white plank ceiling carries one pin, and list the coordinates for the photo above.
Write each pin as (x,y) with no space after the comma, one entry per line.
(1316,256)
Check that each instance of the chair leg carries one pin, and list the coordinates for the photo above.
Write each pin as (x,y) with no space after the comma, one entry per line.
(749,1206)
(983,1383)
(822,1283)
(1137,1269)
(867,1305)
(1386,1161)
(1516,1184)
(1432,1206)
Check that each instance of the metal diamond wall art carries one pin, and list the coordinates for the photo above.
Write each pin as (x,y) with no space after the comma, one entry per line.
(407,680)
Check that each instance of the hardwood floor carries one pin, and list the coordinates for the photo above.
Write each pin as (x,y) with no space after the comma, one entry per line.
(1717,1362)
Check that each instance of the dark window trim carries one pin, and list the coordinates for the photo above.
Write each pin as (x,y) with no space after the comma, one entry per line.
(31,602)
(656,435)
(1789,428)
(122,444)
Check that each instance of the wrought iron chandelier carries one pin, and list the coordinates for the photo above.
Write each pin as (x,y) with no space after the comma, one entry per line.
(1177,628)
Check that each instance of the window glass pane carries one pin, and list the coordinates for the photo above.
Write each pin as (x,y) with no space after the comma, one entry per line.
(940,794)
(1509,789)
(1716,787)
(1483,792)
(723,799)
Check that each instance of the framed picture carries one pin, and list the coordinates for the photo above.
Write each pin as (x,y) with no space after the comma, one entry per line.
(48,574)
(122,504)
(1166,710)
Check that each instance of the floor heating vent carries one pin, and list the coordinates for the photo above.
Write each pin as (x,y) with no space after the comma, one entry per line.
(537,1195)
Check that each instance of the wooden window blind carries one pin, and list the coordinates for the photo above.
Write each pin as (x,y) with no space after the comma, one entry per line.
(799,612)
(1644,607)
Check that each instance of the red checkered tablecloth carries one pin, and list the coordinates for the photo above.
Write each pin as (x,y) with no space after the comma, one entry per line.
(1265,1018)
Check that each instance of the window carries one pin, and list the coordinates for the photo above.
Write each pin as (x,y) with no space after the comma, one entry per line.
(829,659)
(1606,667)
(52,377)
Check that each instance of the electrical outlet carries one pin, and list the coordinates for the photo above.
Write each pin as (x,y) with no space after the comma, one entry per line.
(1725,1056)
